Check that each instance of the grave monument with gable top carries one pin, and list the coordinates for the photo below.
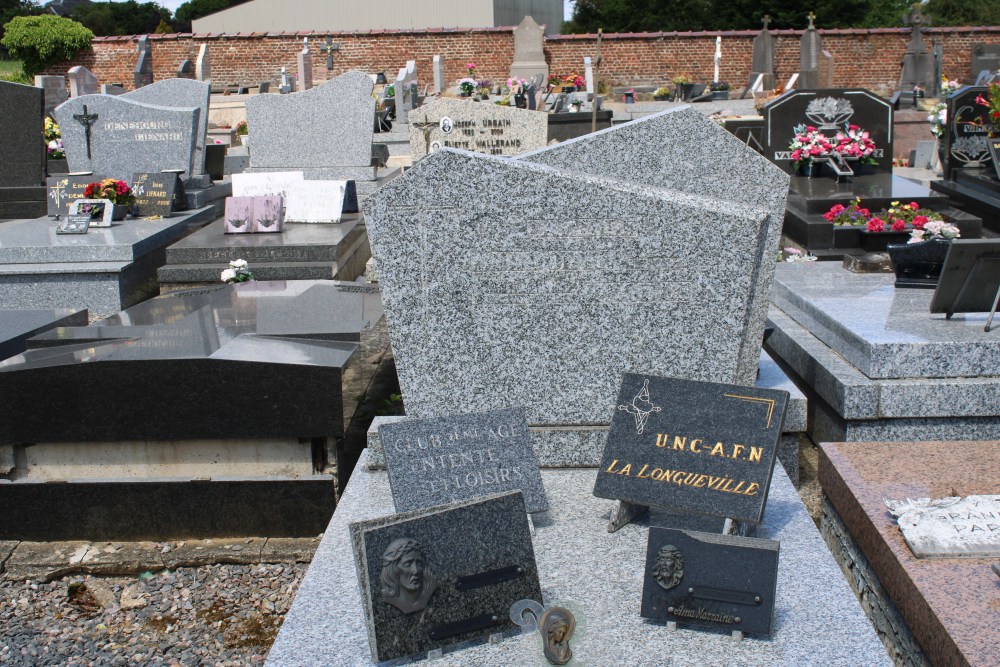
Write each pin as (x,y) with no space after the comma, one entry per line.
(762,60)
(82,82)
(143,74)
(810,52)
(529,57)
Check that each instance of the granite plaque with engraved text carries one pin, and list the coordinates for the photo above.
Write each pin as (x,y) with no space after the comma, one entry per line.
(62,190)
(443,460)
(723,582)
(154,194)
(691,446)
(445,575)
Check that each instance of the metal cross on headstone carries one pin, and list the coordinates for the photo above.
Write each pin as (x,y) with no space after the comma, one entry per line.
(812,17)
(330,47)
(766,20)
(86,119)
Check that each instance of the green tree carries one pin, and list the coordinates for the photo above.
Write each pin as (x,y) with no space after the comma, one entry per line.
(195,9)
(40,41)
(120,18)
(963,12)
(13,8)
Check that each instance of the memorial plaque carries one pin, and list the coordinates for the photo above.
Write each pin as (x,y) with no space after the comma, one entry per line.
(267,214)
(64,189)
(154,194)
(966,137)
(265,184)
(723,582)
(829,110)
(74,224)
(100,211)
(691,446)
(481,128)
(315,201)
(950,527)
(443,576)
(239,215)
(437,461)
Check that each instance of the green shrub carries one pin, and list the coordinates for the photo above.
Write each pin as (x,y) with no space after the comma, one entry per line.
(40,41)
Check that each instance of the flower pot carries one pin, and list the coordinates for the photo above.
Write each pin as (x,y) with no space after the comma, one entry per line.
(684,90)
(877,241)
(629,98)
(720,94)
(918,264)
(521,101)
(119,211)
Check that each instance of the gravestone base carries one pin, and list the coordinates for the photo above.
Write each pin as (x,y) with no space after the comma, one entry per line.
(302,251)
(949,603)
(104,270)
(875,364)
(27,201)
(597,576)
(975,190)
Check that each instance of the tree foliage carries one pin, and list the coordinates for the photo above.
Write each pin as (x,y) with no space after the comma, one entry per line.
(195,9)
(12,8)
(689,15)
(40,41)
(120,18)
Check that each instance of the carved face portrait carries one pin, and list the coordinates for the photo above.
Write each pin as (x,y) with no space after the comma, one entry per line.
(406,581)
(669,568)
(556,627)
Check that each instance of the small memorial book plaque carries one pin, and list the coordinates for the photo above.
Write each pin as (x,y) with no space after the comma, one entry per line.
(690,446)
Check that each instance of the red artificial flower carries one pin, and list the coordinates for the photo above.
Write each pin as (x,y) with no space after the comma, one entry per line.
(914,206)
(865,212)
(876,225)
(898,225)
(919,221)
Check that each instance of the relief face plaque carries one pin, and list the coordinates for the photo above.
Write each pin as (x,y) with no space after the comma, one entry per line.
(723,582)
(690,446)
(443,576)
(437,461)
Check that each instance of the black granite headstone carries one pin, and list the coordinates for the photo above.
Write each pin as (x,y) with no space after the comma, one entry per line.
(689,446)
(447,459)
(828,110)
(723,582)
(443,576)
(966,138)
(63,189)
(154,194)
(22,144)
(984,57)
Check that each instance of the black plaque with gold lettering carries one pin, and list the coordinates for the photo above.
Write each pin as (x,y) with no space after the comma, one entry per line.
(154,194)
(690,446)
(722,582)
(63,189)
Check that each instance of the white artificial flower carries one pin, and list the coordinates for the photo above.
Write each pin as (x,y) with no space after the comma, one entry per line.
(228,274)
(238,264)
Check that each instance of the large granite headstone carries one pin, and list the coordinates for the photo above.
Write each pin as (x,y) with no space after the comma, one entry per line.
(918,62)
(82,82)
(143,74)
(22,144)
(546,307)
(443,576)
(966,142)
(951,527)
(184,94)
(343,107)
(529,57)
(829,110)
(984,57)
(449,459)
(662,155)
(203,65)
(762,60)
(54,88)
(471,126)
(810,51)
(117,137)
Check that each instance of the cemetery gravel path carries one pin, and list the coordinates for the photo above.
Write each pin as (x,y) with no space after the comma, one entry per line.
(211,615)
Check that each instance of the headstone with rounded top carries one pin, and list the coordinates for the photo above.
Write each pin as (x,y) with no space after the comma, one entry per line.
(81,81)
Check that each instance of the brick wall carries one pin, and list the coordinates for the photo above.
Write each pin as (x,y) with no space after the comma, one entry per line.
(865,58)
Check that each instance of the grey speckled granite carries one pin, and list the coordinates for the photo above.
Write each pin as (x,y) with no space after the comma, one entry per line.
(184,93)
(339,113)
(484,128)
(884,332)
(599,577)
(681,149)
(544,309)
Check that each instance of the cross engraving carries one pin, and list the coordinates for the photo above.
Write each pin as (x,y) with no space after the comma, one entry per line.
(766,20)
(86,119)
(330,47)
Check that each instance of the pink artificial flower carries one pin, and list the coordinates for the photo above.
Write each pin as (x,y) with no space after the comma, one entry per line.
(876,225)
(919,221)
(854,128)
(898,225)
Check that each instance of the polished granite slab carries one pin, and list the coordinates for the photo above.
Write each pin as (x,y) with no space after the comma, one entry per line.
(598,576)
(950,605)
(975,190)
(883,331)
(877,191)
(17,326)
(253,360)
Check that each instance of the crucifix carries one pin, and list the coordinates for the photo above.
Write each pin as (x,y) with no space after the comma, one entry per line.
(330,47)
(766,20)
(812,17)
(86,119)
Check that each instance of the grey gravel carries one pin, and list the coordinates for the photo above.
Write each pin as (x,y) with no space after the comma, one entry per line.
(217,615)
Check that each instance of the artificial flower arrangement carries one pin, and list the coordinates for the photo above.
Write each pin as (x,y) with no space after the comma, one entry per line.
(992,104)
(934,229)
(852,214)
(238,272)
(53,140)
(852,142)
(116,191)
(516,86)
(467,86)
(938,118)
(484,88)
(795,255)
(574,80)
(683,79)
(949,86)
(662,91)
(472,69)
(718,86)
(242,129)
(897,218)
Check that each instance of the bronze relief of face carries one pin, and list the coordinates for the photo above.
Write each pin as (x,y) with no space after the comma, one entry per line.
(669,568)
(406,581)
(556,627)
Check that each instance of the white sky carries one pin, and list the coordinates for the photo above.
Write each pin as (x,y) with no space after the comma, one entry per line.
(172,5)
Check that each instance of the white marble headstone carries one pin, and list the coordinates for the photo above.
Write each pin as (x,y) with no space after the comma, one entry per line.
(315,201)
(265,183)
(950,527)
